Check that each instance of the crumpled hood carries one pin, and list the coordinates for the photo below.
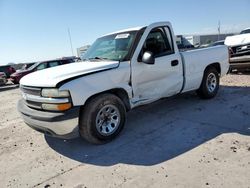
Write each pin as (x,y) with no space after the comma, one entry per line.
(238,40)
(52,76)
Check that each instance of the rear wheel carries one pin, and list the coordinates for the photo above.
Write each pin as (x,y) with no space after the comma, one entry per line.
(210,84)
(102,119)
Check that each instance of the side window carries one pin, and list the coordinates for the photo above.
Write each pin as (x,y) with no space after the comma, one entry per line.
(169,40)
(53,64)
(158,42)
(41,66)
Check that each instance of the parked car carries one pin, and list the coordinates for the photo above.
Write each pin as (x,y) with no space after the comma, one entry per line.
(183,47)
(26,66)
(220,42)
(15,78)
(7,69)
(3,79)
(120,71)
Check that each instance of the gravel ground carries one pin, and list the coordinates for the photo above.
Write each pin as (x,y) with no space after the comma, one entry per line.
(177,142)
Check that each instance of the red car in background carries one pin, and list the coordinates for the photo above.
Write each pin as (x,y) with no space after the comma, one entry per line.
(16,77)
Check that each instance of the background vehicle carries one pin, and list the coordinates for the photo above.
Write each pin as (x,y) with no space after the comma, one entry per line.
(245,31)
(7,69)
(26,66)
(15,78)
(240,44)
(221,42)
(3,79)
(121,71)
(240,50)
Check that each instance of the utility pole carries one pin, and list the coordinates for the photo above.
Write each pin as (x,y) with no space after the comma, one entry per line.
(70,42)
(219,30)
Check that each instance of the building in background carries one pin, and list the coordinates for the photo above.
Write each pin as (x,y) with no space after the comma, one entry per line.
(200,40)
(81,51)
(183,42)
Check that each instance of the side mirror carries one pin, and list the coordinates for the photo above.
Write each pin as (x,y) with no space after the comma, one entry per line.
(148,58)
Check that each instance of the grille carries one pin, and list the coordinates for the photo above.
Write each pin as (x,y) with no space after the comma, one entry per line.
(243,48)
(32,104)
(31,90)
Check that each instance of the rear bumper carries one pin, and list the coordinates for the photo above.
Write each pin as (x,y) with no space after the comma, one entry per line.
(57,124)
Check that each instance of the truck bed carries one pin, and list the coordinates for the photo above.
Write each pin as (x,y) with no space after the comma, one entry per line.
(193,59)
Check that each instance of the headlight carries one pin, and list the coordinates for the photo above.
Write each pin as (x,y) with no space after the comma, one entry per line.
(55,103)
(55,93)
(56,107)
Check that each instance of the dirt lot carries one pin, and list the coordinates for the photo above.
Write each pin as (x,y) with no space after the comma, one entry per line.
(178,142)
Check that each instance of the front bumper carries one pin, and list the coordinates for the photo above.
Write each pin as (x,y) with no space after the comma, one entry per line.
(57,124)
(14,79)
(242,62)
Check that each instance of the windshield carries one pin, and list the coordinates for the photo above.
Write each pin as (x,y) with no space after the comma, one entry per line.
(245,31)
(112,47)
(33,66)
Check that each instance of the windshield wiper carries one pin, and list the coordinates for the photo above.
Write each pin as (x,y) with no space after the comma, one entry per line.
(98,58)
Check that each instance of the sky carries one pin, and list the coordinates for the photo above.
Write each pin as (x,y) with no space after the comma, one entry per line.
(36,30)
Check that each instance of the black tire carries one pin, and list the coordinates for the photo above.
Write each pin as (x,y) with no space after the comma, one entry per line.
(93,110)
(206,92)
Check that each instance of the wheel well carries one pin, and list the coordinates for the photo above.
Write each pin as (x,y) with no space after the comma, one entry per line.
(119,92)
(216,66)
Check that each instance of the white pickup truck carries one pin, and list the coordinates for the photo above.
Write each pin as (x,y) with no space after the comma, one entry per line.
(240,50)
(239,44)
(119,72)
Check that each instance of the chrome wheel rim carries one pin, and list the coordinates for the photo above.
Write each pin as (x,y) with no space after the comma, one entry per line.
(211,82)
(108,120)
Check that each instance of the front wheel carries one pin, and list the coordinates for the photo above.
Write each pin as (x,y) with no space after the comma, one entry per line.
(210,84)
(102,119)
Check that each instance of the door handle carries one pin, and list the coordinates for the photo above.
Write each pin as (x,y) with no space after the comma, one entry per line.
(174,63)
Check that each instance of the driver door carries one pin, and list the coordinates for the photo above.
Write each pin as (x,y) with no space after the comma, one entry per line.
(165,77)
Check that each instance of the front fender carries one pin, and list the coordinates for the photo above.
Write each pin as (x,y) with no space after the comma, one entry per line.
(81,89)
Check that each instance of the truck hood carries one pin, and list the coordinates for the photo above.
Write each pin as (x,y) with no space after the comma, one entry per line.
(238,40)
(52,76)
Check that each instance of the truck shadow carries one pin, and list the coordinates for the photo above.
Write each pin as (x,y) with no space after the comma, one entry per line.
(244,72)
(166,129)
